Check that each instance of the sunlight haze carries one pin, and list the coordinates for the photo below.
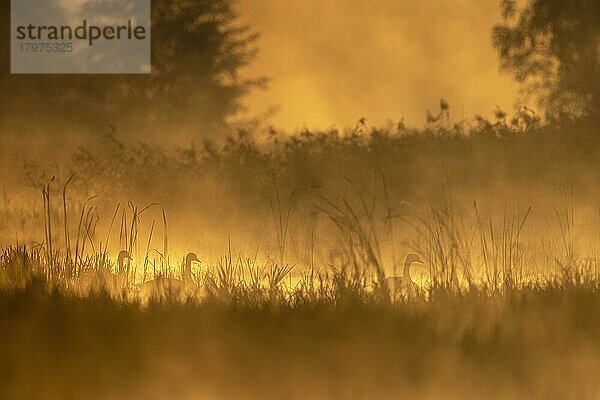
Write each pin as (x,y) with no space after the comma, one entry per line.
(337,61)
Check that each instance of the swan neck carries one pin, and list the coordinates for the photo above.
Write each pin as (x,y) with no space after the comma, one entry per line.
(121,266)
(406,270)
(187,271)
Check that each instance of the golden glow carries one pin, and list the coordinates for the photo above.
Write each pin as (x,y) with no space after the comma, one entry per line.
(334,62)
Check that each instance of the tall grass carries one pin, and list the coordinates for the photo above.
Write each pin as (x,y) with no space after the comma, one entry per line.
(481,325)
(251,337)
(463,252)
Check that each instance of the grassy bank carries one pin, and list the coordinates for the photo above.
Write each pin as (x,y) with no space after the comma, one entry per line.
(341,340)
(507,309)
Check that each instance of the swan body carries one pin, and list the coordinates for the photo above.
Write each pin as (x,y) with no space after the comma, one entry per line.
(399,284)
(105,280)
(164,287)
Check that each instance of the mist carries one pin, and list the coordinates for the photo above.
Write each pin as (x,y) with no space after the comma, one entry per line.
(331,63)
(340,199)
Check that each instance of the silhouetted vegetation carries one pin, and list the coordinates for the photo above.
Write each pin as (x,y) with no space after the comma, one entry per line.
(336,337)
(198,49)
(287,180)
(551,46)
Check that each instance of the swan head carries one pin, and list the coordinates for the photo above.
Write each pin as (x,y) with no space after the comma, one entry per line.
(190,257)
(124,255)
(413,259)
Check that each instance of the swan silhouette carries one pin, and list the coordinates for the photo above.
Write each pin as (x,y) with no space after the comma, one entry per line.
(397,284)
(164,287)
(114,283)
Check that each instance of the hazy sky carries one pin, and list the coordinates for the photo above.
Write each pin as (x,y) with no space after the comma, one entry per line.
(334,61)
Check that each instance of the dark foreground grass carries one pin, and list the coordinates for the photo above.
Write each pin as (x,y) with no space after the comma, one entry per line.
(535,342)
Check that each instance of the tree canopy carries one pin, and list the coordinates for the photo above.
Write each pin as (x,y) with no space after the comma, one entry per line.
(198,49)
(553,48)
